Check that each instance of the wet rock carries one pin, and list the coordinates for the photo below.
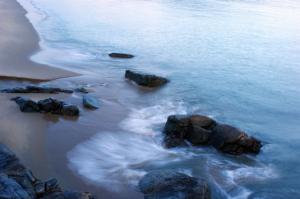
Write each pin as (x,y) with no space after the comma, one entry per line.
(229,139)
(36,89)
(201,130)
(10,189)
(121,55)
(70,110)
(17,182)
(145,80)
(194,128)
(48,105)
(90,102)
(26,105)
(168,184)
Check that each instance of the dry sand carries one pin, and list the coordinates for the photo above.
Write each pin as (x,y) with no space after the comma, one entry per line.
(18,41)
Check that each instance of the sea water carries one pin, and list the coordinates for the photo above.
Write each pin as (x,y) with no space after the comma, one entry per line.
(233,60)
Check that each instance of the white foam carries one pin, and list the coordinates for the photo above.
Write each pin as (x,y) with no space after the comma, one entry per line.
(112,159)
(143,121)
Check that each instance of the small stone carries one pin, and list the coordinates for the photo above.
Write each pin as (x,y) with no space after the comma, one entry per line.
(90,102)
(70,110)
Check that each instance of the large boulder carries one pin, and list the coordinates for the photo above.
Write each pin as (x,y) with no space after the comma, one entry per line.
(168,184)
(120,55)
(145,80)
(194,128)
(36,89)
(48,105)
(229,139)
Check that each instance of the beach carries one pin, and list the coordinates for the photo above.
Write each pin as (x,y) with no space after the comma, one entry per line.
(19,41)
(234,61)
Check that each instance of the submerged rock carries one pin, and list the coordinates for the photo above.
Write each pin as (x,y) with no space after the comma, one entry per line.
(90,102)
(146,80)
(121,55)
(36,89)
(48,105)
(232,140)
(82,90)
(200,130)
(168,184)
(194,128)
(17,182)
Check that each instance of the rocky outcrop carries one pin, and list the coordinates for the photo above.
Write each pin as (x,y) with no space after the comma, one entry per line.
(90,102)
(18,182)
(200,130)
(36,89)
(48,105)
(145,80)
(121,55)
(231,140)
(168,184)
(196,129)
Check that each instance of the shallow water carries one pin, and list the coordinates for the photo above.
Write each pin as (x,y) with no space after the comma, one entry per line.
(236,61)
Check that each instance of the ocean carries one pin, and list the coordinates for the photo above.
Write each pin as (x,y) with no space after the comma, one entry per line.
(237,61)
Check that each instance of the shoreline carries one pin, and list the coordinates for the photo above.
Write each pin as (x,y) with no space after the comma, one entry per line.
(15,53)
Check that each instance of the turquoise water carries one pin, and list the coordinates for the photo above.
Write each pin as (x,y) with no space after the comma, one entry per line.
(236,61)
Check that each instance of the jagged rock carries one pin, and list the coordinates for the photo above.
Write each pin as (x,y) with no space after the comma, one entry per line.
(90,102)
(232,140)
(36,89)
(194,128)
(48,105)
(121,55)
(17,182)
(145,80)
(10,189)
(168,184)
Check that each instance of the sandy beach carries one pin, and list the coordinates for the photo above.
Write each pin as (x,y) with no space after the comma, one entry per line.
(18,41)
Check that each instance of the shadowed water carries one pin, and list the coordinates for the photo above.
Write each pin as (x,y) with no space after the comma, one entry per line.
(236,61)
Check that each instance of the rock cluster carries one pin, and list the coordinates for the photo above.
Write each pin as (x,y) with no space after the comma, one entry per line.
(201,130)
(36,89)
(18,182)
(145,80)
(168,184)
(48,105)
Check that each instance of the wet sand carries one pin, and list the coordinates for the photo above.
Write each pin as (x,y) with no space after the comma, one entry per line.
(18,41)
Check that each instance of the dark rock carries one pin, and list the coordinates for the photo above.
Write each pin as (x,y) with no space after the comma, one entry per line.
(26,105)
(17,182)
(10,189)
(145,79)
(52,185)
(194,128)
(48,105)
(70,110)
(36,89)
(121,55)
(90,102)
(229,139)
(168,184)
